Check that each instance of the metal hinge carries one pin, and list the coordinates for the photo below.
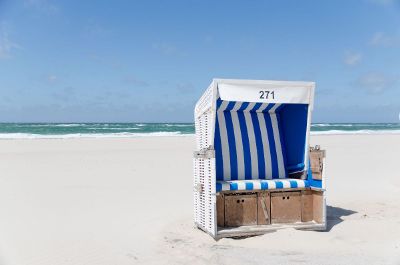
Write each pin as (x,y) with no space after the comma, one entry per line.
(208,152)
(318,148)
(198,187)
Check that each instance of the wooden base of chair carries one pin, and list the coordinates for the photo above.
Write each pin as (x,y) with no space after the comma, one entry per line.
(251,213)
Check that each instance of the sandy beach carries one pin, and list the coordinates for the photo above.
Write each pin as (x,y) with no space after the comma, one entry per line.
(129,201)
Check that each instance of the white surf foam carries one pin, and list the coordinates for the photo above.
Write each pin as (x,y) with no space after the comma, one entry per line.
(339,132)
(87,135)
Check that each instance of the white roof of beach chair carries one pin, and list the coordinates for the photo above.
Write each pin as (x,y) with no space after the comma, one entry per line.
(265,91)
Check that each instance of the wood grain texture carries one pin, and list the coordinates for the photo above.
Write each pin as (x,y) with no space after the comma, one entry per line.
(240,210)
(285,207)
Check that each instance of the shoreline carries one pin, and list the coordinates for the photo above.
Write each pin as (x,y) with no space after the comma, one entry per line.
(17,136)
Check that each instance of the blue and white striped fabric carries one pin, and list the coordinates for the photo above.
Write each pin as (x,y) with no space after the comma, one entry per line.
(260,184)
(248,141)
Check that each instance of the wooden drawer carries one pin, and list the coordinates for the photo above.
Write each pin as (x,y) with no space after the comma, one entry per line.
(240,209)
(285,207)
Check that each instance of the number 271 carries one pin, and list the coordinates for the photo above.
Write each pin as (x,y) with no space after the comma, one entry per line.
(266,94)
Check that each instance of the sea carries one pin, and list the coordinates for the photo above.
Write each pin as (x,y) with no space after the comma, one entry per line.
(120,130)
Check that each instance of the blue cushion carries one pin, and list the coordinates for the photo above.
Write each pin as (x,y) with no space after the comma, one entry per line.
(261,184)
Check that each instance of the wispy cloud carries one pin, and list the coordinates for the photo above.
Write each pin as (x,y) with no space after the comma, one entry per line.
(352,58)
(185,88)
(44,6)
(110,62)
(168,49)
(7,46)
(134,81)
(66,94)
(52,78)
(375,82)
(384,40)
(383,2)
(94,29)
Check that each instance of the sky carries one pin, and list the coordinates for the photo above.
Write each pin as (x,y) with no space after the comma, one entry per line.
(149,61)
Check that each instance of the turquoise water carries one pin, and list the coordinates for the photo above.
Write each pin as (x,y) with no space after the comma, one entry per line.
(355,128)
(76,130)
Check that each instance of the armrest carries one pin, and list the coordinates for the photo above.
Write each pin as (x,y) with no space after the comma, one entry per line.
(317,161)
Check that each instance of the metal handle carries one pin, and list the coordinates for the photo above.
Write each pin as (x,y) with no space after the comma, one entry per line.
(205,153)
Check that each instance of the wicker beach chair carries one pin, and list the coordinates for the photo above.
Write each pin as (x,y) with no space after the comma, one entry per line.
(252,168)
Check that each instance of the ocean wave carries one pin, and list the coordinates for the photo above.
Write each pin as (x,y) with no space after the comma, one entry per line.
(7,136)
(10,136)
(178,125)
(340,132)
(49,125)
(112,129)
(366,125)
(336,125)
(69,124)
(321,125)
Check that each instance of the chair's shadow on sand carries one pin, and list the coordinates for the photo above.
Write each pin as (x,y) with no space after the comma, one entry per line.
(334,216)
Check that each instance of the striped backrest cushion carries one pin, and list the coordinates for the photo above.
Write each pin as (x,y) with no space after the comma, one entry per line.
(248,143)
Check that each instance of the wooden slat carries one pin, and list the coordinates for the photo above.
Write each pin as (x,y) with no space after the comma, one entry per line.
(220,210)
(306,206)
(318,204)
(264,208)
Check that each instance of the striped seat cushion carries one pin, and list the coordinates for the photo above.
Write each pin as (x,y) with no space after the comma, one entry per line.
(261,184)
(248,141)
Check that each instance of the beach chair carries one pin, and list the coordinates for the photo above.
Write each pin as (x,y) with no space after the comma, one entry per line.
(253,169)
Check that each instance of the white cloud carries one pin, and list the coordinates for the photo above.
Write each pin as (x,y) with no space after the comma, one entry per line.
(52,78)
(376,83)
(352,58)
(94,29)
(6,44)
(382,39)
(43,6)
(383,2)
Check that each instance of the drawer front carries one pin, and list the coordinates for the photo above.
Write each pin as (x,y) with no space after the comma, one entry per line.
(285,207)
(240,210)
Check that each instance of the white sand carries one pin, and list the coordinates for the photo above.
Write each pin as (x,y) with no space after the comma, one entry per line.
(129,201)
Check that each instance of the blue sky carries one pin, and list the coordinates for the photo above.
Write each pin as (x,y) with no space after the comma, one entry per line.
(122,61)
